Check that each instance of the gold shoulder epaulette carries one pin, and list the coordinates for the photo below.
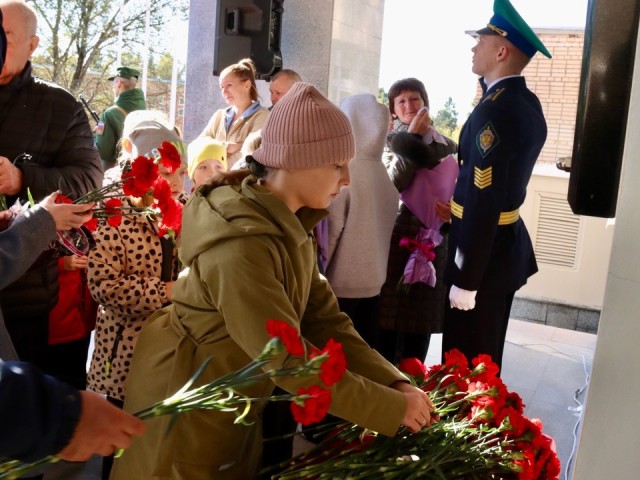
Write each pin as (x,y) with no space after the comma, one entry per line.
(493,96)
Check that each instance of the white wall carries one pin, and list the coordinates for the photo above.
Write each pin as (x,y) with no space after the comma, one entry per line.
(609,436)
(333,45)
(356,48)
(583,284)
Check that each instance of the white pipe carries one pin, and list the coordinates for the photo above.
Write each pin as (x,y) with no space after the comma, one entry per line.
(174,89)
(145,57)
(120,33)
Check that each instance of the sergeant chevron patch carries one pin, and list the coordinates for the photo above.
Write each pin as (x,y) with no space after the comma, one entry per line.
(482,178)
(487,139)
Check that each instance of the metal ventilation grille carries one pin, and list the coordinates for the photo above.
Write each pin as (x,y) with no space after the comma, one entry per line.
(558,232)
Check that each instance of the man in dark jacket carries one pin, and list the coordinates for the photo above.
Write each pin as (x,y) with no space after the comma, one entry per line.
(45,145)
(42,416)
(128,98)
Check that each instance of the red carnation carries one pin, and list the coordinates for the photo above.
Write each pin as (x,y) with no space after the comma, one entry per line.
(162,192)
(288,335)
(491,368)
(171,218)
(112,210)
(432,377)
(524,466)
(114,220)
(91,225)
(335,365)
(552,467)
(112,206)
(62,198)
(314,408)
(455,361)
(517,423)
(169,157)
(514,400)
(414,367)
(139,180)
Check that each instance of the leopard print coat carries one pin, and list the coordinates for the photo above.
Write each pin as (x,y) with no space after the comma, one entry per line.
(124,277)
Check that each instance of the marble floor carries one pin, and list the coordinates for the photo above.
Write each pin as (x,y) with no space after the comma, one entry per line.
(548,367)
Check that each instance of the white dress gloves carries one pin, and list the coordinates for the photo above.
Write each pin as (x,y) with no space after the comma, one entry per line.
(462,299)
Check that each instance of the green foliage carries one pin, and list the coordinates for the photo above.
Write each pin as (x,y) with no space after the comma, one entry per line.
(382,96)
(446,120)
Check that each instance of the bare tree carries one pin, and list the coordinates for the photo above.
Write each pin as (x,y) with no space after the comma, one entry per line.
(79,35)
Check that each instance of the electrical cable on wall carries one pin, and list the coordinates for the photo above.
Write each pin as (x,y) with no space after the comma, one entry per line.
(576,398)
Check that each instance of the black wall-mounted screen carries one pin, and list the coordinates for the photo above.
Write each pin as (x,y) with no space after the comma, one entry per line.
(603,103)
(248,29)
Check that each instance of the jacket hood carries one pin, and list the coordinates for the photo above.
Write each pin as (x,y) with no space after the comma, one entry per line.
(370,122)
(131,100)
(216,214)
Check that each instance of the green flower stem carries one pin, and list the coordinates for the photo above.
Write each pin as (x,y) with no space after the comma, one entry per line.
(99,193)
(220,394)
(442,452)
(12,469)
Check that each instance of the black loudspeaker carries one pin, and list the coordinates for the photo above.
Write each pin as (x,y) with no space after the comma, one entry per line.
(603,104)
(248,29)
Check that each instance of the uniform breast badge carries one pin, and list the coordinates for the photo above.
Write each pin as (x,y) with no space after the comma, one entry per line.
(487,139)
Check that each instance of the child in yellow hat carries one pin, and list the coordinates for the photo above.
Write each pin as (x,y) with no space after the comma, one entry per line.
(206,157)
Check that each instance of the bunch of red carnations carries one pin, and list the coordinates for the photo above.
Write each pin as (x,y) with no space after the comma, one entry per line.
(141,180)
(308,405)
(482,434)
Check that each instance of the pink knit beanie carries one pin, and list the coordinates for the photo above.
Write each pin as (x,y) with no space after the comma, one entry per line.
(305,130)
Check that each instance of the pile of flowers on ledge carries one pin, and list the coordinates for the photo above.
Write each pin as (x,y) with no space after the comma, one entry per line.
(309,405)
(482,434)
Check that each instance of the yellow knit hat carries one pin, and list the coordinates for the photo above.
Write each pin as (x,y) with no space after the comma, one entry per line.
(205,148)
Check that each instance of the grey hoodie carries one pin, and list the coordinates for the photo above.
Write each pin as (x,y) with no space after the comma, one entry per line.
(362,217)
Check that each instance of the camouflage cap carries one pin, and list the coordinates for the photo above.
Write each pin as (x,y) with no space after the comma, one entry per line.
(126,72)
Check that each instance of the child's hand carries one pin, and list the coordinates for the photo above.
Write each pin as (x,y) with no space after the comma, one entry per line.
(418,413)
(75,262)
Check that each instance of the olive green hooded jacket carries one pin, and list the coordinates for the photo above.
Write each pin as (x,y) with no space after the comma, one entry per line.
(250,259)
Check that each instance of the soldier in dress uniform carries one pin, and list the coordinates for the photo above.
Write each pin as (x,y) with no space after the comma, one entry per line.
(490,251)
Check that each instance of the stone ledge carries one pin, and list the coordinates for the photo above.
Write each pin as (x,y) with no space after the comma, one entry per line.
(556,315)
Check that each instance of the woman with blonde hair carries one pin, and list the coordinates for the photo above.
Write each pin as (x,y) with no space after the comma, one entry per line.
(244,114)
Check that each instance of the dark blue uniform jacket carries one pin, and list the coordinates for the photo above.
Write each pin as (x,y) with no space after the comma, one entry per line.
(499,145)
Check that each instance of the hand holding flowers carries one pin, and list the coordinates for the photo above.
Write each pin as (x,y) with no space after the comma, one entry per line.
(143,180)
(66,216)
(482,433)
(223,394)
(420,408)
